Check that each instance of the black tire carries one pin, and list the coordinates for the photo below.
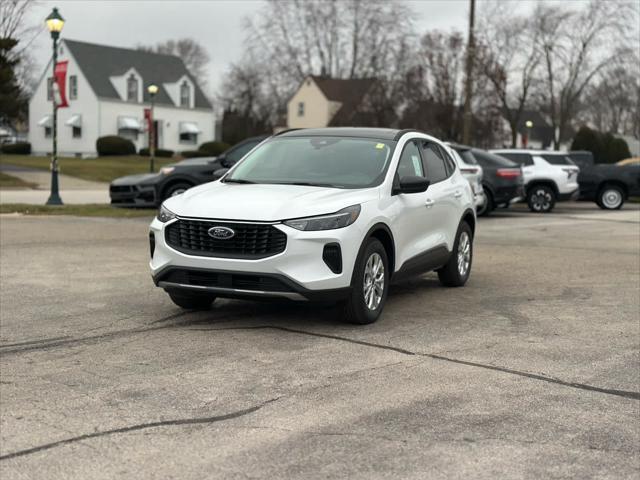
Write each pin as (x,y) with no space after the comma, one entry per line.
(175,189)
(355,308)
(541,198)
(488,207)
(610,197)
(192,301)
(451,275)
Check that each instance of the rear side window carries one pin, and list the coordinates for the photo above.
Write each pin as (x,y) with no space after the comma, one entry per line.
(487,159)
(558,159)
(410,164)
(519,158)
(434,163)
(450,164)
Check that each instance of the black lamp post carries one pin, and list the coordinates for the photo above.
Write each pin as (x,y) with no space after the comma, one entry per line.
(152,89)
(54,22)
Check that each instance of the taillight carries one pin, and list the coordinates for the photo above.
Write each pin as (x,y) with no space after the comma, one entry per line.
(508,172)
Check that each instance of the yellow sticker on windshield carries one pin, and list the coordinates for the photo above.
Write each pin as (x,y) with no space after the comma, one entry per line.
(380,146)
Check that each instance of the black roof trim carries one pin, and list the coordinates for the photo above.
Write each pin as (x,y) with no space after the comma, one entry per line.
(388,134)
(287,131)
(400,133)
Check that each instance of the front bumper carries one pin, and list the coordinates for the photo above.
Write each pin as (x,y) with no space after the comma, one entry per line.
(298,273)
(133,195)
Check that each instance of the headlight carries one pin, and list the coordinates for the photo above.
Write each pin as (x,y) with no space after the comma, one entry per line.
(167,170)
(164,215)
(340,219)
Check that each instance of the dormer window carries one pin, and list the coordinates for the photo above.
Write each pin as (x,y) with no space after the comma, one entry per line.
(185,94)
(132,88)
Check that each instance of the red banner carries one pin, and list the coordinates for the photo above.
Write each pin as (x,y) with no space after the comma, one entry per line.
(147,118)
(60,84)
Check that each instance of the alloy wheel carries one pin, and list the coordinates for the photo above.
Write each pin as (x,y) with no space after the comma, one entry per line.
(373,285)
(541,200)
(464,253)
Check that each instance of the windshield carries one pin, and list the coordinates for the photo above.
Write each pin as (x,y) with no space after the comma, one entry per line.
(340,162)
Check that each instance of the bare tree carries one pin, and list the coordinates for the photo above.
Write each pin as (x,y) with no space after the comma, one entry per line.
(511,61)
(192,53)
(14,25)
(575,46)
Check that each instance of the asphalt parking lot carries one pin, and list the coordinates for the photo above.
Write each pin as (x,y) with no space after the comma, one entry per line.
(530,371)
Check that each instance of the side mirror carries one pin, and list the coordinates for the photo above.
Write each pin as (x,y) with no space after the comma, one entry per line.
(220,172)
(411,184)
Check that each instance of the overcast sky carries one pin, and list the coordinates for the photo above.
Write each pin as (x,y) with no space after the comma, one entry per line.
(216,24)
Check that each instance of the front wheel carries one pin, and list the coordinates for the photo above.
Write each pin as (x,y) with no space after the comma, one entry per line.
(541,199)
(457,270)
(176,189)
(192,301)
(370,285)
(610,197)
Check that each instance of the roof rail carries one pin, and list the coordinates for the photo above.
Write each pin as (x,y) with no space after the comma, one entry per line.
(287,131)
(400,133)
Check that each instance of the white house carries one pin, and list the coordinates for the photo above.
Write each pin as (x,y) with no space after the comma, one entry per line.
(107,94)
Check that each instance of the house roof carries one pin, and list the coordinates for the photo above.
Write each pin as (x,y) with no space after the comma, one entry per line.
(349,92)
(99,62)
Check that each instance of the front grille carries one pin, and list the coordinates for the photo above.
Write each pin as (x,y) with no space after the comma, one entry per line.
(250,240)
(237,281)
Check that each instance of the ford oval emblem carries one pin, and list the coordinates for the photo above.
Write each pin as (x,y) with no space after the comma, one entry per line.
(221,233)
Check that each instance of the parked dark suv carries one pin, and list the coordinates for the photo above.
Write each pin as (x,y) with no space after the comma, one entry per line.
(150,189)
(607,185)
(502,179)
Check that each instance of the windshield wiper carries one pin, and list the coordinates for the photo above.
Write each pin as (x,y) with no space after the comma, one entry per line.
(236,180)
(308,184)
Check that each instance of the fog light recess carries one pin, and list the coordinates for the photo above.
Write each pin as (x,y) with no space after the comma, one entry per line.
(332,256)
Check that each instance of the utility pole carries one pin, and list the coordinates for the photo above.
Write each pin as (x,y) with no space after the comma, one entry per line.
(471,54)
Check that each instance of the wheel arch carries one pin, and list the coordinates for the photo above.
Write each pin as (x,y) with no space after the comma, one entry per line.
(381,232)
(174,181)
(616,183)
(543,181)
(470,218)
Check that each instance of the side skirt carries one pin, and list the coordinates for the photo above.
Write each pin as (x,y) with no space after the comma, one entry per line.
(424,262)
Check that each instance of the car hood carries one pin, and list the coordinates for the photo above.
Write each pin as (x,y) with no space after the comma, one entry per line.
(263,202)
(136,179)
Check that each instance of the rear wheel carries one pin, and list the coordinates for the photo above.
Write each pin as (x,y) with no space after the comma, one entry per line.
(541,199)
(457,270)
(610,197)
(370,285)
(192,301)
(487,207)
(175,189)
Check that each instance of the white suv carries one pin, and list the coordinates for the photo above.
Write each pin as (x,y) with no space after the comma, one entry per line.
(549,176)
(331,214)
(473,174)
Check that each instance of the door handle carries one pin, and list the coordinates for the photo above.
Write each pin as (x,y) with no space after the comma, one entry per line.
(429,203)
(458,194)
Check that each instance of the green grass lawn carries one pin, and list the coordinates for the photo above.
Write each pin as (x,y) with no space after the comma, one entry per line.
(9,181)
(87,210)
(101,169)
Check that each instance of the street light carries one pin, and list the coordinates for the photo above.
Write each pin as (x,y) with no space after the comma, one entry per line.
(529,125)
(54,22)
(152,89)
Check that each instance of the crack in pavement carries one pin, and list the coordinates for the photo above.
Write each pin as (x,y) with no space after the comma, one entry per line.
(582,386)
(45,344)
(141,426)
